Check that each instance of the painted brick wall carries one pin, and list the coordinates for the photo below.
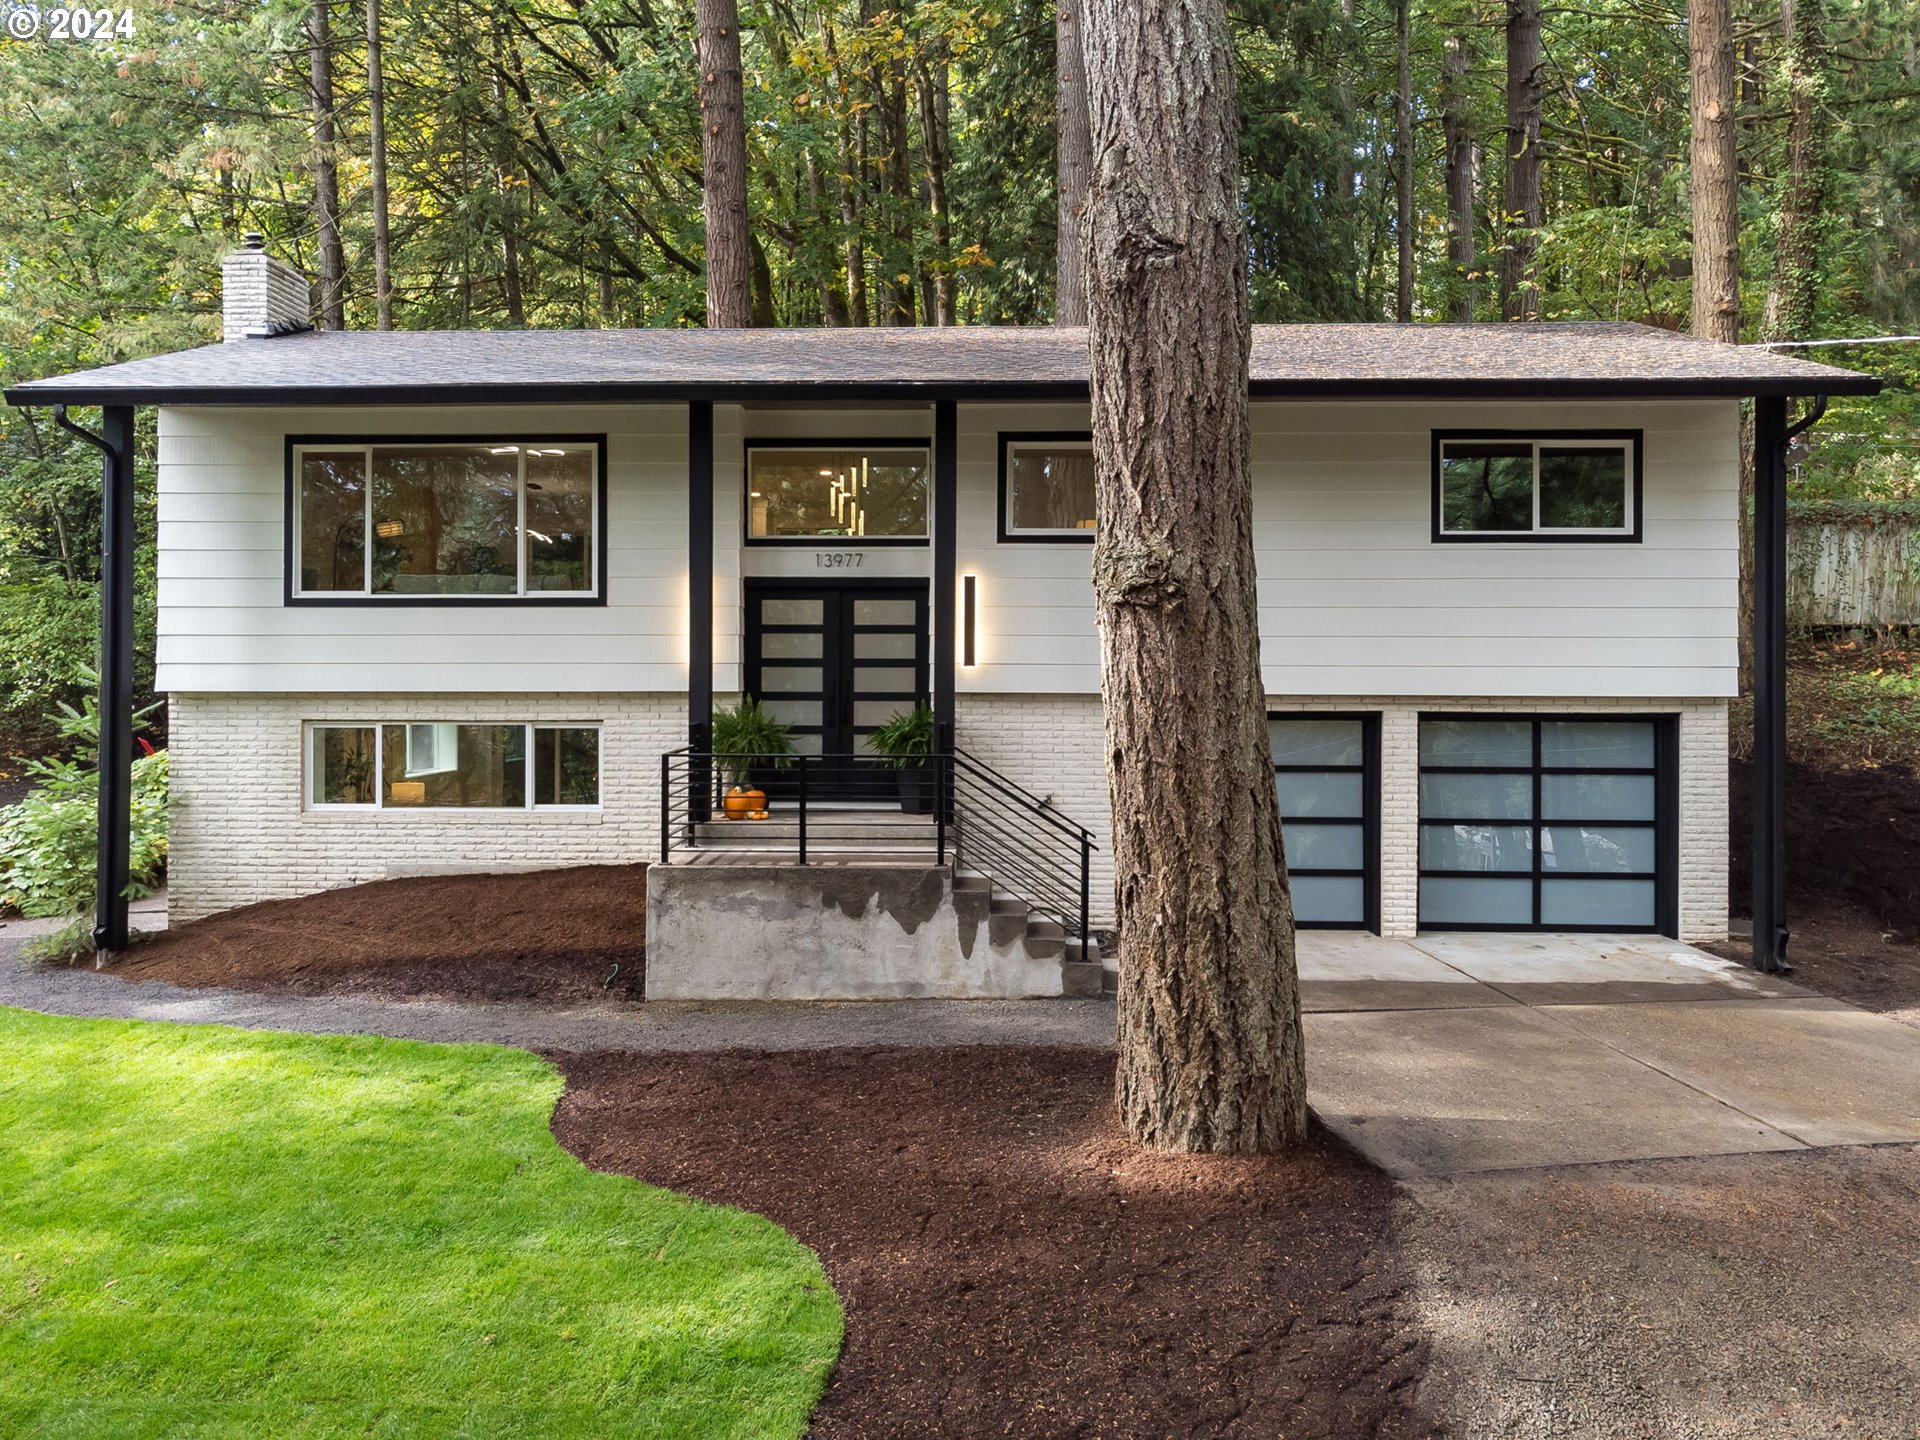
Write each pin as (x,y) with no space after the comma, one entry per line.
(1053,745)
(241,834)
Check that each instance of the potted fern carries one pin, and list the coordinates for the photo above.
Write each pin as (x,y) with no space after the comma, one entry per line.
(906,742)
(746,738)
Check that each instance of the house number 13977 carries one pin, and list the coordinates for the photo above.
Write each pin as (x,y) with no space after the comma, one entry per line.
(838,559)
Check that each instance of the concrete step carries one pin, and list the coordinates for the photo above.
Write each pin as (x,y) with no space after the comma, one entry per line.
(1082,980)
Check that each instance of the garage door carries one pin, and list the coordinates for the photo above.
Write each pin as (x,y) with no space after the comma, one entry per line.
(1547,823)
(1326,769)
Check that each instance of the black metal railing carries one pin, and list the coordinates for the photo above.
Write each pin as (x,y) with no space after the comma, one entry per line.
(814,809)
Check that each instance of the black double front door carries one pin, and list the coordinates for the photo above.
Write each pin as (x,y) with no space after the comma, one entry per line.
(835,661)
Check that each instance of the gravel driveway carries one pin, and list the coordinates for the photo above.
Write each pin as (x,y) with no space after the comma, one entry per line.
(1746,1296)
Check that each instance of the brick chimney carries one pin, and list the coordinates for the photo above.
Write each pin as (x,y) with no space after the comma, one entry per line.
(261,296)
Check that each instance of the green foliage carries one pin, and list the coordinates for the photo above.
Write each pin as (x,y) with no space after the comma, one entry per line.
(907,738)
(48,841)
(744,735)
(235,1234)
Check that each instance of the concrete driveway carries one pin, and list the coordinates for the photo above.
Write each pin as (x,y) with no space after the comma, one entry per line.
(1454,1054)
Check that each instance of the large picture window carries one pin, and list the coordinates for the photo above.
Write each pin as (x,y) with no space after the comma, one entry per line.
(445,520)
(873,494)
(1547,485)
(449,765)
(1046,487)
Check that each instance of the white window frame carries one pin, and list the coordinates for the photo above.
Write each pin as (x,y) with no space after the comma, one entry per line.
(378,805)
(1628,444)
(1010,445)
(298,521)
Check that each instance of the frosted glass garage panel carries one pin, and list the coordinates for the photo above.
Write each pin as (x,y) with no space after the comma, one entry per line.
(1477,847)
(1329,899)
(1596,797)
(1325,847)
(1475,901)
(1476,742)
(1476,797)
(1599,849)
(1596,745)
(1331,793)
(1625,904)
(1332,743)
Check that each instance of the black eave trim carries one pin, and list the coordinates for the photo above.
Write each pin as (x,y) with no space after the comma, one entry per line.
(442,602)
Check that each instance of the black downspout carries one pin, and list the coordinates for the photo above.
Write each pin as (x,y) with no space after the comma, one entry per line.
(699,600)
(1771,437)
(946,509)
(113,855)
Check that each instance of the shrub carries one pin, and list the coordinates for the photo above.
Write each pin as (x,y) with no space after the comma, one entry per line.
(48,840)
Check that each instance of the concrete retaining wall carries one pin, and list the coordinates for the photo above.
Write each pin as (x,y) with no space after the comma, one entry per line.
(794,932)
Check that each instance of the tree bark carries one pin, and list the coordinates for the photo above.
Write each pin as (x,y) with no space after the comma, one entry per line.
(1456,122)
(896,172)
(936,144)
(1525,210)
(512,291)
(1403,162)
(326,173)
(723,166)
(1209,1021)
(1713,193)
(377,171)
(1074,161)
(1793,292)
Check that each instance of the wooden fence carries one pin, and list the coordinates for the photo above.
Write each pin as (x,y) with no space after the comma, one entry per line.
(1853,570)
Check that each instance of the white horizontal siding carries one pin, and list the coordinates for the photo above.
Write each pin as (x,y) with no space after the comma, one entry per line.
(1355,597)
(225,626)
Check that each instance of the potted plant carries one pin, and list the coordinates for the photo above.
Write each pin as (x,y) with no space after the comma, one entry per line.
(745,737)
(906,742)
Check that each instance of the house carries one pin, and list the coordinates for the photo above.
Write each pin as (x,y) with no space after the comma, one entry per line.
(466,601)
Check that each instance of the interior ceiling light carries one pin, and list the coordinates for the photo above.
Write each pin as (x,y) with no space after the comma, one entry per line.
(387,529)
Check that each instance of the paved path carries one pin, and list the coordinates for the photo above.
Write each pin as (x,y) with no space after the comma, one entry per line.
(1446,1055)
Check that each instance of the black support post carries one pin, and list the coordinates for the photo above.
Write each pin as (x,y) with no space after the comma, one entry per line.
(699,603)
(114,846)
(946,510)
(1768,798)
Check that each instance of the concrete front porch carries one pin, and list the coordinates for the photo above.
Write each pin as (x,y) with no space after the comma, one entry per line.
(1455,1053)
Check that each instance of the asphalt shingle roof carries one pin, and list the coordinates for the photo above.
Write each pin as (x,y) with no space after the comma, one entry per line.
(495,366)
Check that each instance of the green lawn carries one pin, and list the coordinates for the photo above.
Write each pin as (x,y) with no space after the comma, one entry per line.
(209,1232)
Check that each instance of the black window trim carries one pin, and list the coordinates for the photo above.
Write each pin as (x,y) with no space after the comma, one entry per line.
(1004,441)
(837,542)
(1665,823)
(1636,447)
(289,591)
(1369,815)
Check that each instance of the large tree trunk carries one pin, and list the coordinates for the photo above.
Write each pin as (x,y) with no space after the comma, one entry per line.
(1456,120)
(1524,206)
(1074,161)
(1403,162)
(1209,1026)
(377,171)
(512,290)
(326,173)
(1793,292)
(1713,183)
(723,166)
(936,144)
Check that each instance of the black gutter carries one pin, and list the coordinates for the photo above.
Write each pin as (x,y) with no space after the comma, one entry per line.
(113,846)
(916,392)
(1771,438)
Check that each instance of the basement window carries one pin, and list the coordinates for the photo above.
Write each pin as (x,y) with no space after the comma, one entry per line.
(445,521)
(1545,485)
(451,765)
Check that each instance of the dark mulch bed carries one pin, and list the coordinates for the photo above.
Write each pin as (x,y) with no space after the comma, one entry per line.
(549,935)
(1011,1265)
(1853,881)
